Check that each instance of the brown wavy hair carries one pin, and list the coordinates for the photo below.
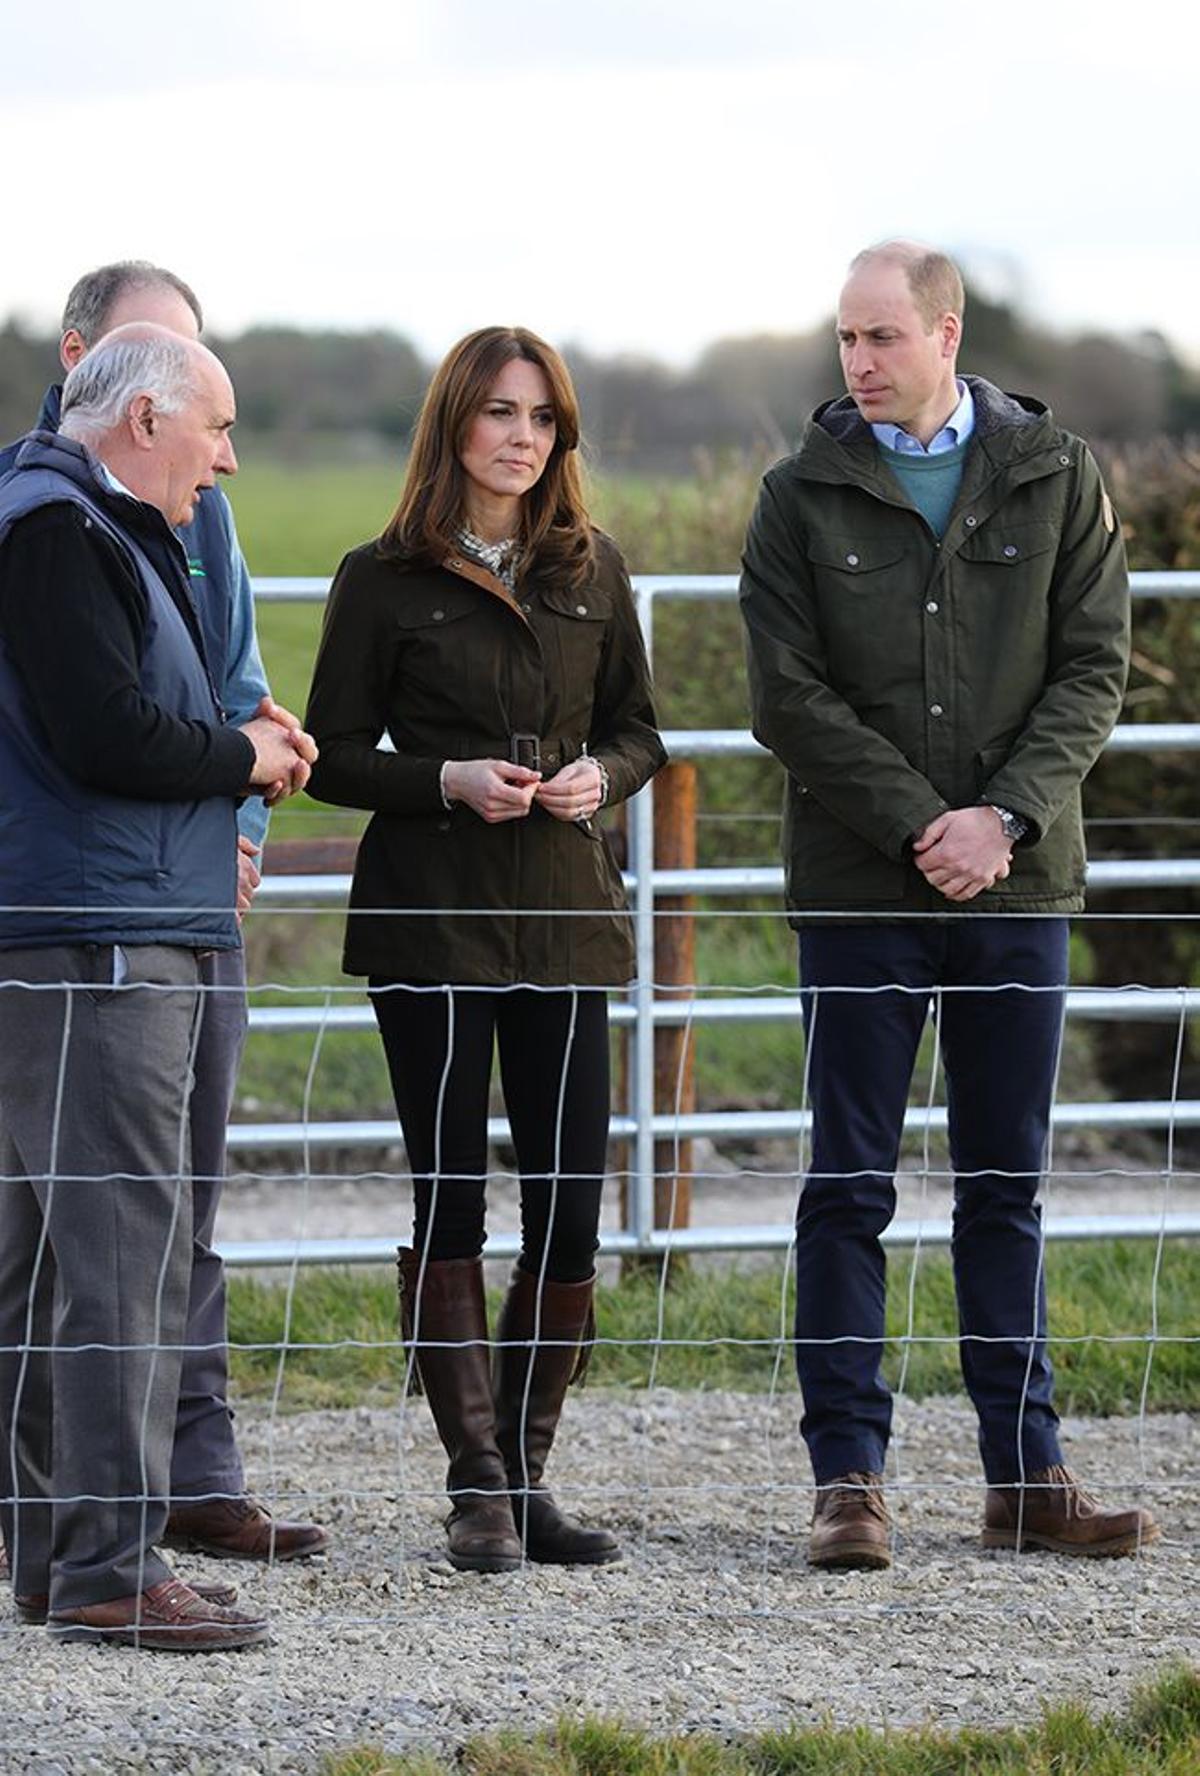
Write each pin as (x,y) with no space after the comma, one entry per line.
(556,536)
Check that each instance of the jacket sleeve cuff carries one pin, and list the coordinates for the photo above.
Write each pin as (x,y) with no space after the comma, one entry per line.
(233,756)
(914,819)
(1037,818)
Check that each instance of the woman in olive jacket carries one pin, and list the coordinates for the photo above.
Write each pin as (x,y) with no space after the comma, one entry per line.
(491,633)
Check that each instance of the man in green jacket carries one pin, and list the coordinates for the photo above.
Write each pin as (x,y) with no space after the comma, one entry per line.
(937,613)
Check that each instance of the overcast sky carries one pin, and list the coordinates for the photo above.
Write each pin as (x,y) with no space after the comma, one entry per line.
(641,175)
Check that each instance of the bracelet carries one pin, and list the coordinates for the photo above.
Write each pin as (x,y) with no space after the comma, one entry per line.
(604,783)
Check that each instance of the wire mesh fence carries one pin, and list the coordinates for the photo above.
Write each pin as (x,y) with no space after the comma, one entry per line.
(685,1442)
(711,1619)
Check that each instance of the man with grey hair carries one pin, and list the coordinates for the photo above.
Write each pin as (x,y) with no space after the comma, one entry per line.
(117,876)
(937,617)
(213,1511)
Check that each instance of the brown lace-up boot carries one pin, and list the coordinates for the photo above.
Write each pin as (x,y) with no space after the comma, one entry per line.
(1052,1510)
(452,1362)
(851,1525)
(529,1401)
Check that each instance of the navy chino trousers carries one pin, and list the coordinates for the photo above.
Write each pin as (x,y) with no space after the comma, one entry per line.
(1000,1021)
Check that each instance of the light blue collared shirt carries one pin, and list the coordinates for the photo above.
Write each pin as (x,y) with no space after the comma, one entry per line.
(956,431)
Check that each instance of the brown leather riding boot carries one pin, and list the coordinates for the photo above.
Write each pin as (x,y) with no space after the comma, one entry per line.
(454,1367)
(1052,1510)
(529,1401)
(851,1524)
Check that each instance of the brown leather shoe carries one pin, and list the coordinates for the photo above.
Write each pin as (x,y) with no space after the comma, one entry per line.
(240,1529)
(32,1611)
(1052,1510)
(167,1618)
(851,1524)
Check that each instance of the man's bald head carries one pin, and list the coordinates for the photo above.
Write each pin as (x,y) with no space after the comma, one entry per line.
(934,280)
(157,409)
(139,358)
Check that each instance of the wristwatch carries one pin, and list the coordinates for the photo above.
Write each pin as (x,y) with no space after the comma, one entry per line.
(1014,827)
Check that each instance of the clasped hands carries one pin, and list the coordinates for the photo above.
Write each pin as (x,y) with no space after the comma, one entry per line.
(283,753)
(963,852)
(498,790)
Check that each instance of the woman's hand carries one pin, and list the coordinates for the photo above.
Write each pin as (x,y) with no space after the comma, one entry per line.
(494,788)
(574,793)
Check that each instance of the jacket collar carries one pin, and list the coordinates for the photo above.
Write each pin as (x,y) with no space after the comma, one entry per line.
(75,463)
(460,564)
(994,412)
(51,414)
(838,444)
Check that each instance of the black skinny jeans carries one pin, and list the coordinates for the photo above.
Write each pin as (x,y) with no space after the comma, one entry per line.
(555,1074)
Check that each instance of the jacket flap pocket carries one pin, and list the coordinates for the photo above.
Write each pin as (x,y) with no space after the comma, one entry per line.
(855,555)
(434,608)
(1009,544)
(588,605)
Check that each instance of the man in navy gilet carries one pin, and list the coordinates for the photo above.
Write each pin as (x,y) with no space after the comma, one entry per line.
(119,779)
(212,1510)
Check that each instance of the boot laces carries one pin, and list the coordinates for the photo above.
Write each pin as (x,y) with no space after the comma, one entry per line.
(1077,1500)
(853,1492)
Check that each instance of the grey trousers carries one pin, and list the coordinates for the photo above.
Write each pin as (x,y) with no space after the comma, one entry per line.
(96,1230)
(206,1458)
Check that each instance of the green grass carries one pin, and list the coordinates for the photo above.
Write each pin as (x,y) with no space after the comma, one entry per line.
(726,1326)
(300,518)
(1157,1735)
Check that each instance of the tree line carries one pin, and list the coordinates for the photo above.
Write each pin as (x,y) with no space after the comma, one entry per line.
(330,390)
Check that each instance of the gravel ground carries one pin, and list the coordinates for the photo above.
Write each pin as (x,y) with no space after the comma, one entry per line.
(711,1622)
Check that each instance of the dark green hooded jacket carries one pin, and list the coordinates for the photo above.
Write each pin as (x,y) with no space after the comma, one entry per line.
(895,676)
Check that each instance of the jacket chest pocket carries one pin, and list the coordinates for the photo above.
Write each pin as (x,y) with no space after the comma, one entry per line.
(866,595)
(1003,577)
(1015,556)
(450,660)
(572,627)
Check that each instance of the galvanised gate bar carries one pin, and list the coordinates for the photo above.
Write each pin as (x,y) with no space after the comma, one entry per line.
(642,1012)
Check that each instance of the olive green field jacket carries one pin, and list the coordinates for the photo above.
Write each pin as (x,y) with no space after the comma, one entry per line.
(895,676)
(451,665)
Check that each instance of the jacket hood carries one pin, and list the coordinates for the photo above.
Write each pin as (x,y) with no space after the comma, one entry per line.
(51,453)
(995,412)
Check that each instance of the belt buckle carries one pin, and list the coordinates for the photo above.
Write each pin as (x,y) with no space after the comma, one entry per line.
(525,749)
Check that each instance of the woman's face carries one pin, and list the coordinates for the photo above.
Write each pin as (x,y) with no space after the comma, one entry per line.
(508,442)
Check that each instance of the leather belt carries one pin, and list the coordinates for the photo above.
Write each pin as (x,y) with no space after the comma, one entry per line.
(546,756)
